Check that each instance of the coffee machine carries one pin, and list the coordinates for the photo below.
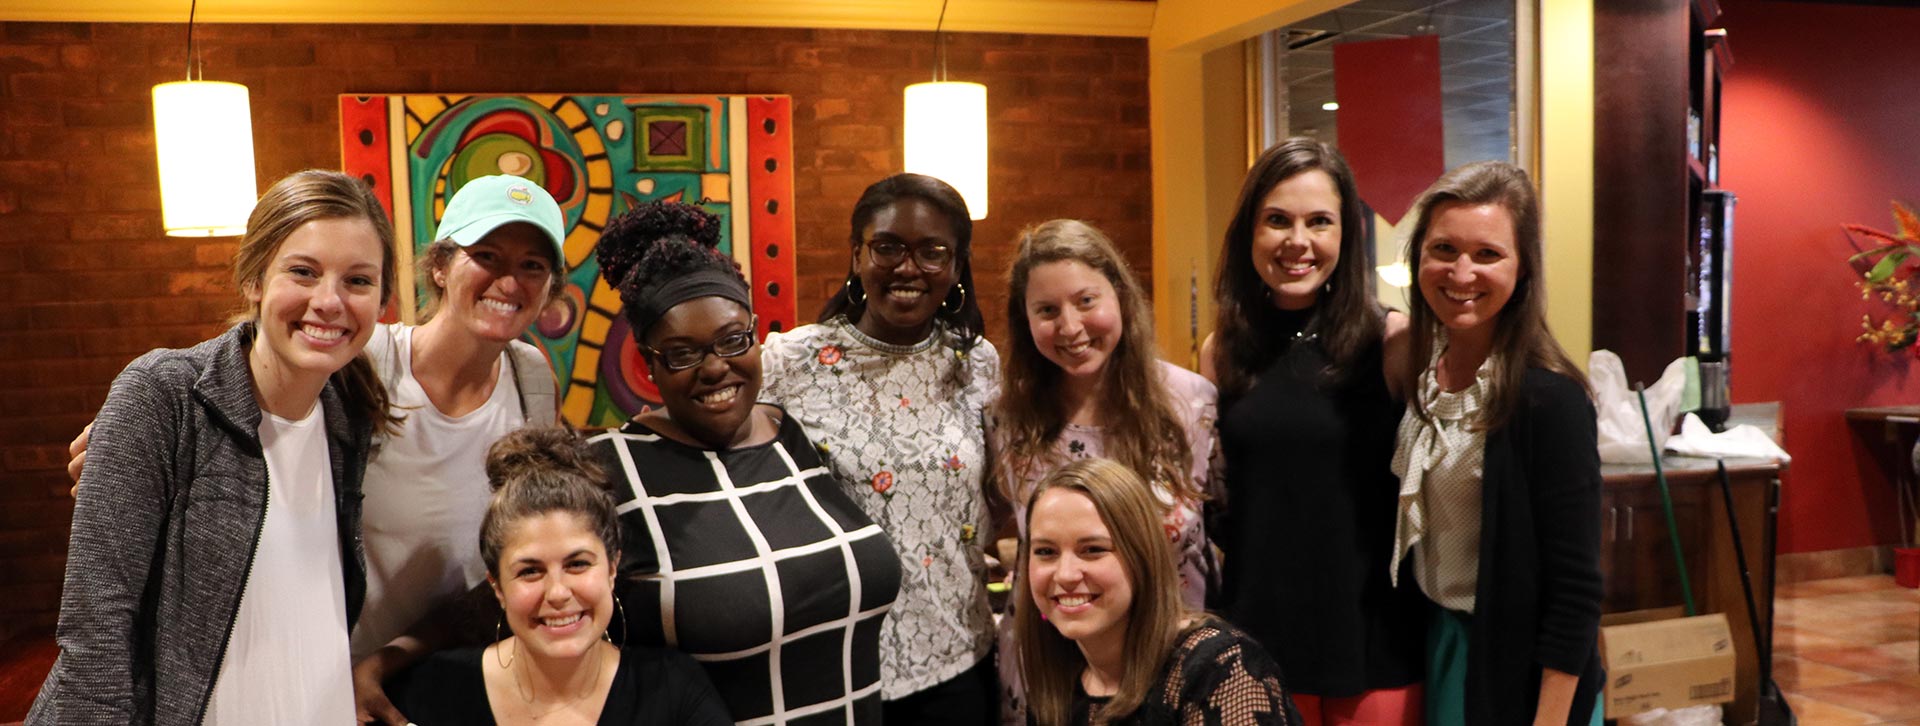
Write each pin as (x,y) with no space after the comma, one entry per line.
(1709,304)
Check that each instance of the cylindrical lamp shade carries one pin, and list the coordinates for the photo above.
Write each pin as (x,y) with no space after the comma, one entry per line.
(205,139)
(947,138)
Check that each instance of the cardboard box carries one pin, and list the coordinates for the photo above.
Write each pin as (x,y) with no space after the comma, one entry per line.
(1667,664)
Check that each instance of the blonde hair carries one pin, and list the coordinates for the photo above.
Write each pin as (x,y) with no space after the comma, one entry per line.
(1141,429)
(1049,662)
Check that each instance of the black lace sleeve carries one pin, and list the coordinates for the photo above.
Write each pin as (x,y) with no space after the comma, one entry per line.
(1224,678)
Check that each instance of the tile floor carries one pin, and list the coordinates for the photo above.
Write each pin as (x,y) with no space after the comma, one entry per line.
(1847,651)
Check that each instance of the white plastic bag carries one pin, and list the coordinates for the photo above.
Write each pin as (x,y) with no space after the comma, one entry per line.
(1623,435)
(1708,715)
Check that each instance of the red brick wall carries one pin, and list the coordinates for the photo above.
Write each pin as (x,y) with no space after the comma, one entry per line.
(87,281)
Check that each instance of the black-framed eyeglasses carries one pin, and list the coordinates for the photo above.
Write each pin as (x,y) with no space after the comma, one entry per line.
(682,357)
(929,256)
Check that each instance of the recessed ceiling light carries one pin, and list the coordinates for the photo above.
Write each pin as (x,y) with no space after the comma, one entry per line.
(1330,106)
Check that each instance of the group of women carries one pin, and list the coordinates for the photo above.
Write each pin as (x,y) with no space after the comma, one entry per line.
(1397,512)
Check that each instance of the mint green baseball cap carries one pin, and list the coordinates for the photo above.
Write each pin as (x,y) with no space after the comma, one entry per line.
(483,204)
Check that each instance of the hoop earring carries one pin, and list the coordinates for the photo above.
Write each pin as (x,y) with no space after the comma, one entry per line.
(962,288)
(497,640)
(622,610)
(853,286)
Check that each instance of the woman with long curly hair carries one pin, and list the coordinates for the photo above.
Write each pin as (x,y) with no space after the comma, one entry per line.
(1080,380)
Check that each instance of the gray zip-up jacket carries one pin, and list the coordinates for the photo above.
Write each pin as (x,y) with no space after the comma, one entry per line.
(169,512)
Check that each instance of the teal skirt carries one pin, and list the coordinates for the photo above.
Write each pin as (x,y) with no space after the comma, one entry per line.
(1447,670)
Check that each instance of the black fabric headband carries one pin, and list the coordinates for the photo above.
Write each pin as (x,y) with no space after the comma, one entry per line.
(654,301)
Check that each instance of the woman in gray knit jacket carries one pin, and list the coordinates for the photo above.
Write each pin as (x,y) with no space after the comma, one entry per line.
(215,565)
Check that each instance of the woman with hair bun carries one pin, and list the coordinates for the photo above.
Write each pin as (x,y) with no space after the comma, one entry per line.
(551,542)
(742,549)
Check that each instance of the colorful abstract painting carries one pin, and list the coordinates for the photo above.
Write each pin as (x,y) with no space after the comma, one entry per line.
(599,156)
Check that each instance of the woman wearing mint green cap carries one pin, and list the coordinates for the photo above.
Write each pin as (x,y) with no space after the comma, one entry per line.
(463,379)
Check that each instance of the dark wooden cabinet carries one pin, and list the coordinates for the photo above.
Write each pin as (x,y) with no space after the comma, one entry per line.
(1640,571)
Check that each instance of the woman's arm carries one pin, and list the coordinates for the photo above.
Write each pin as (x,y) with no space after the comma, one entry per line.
(1556,697)
(1564,480)
(1207,368)
(1396,355)
(1231,681)
(119,519)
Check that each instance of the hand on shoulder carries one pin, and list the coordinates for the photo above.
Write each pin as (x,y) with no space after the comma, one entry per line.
(1396,353)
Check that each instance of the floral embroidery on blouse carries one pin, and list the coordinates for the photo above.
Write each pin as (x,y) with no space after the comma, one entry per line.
(902,427)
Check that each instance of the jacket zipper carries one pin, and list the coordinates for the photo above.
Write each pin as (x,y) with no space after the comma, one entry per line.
(234,619)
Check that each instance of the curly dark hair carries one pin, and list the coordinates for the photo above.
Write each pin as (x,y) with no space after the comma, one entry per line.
(657,242)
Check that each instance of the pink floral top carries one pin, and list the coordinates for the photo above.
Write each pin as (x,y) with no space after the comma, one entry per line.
(1193,400)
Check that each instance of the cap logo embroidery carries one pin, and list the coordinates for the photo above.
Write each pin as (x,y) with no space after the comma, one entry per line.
(518,194)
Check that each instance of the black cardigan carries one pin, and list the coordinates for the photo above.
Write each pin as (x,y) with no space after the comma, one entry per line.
(1538,599)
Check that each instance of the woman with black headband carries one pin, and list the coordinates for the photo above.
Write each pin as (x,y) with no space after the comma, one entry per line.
(741,548)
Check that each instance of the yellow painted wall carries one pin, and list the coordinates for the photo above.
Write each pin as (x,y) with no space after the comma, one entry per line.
(1566,169)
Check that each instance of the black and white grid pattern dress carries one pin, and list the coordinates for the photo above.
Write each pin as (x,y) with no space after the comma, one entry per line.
(755,562)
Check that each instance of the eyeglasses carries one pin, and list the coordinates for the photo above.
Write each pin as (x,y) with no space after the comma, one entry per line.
(930,257)
(682,357)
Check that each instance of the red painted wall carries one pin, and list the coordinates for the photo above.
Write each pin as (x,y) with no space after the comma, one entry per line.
(1820,127)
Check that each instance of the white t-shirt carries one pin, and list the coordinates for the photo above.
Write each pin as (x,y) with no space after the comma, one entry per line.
(426,494)
(287,661)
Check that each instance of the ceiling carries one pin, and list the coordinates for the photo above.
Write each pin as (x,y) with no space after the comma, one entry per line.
(1126,18)
(1476,67)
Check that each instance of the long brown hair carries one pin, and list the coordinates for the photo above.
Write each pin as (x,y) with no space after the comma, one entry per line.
(1049,662)
(1521,339)
(295,200)
(1346,318)
(1141,430)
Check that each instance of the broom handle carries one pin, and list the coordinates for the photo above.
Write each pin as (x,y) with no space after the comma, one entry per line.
(1666,501)
(1763,649)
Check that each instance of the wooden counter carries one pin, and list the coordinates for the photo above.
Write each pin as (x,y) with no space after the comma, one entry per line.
(1636,553)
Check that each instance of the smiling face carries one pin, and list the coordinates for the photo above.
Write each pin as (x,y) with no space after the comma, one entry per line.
(1074,315)
(317,299)
(902,298)
(1469,265)
(555,585)
(1077,578)
(496,287)
(712,401)
(1296,238)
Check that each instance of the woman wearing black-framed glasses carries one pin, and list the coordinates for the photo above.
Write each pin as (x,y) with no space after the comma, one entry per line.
(741,549)
(894,381)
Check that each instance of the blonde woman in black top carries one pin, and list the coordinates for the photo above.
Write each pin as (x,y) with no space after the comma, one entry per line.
(1104,637)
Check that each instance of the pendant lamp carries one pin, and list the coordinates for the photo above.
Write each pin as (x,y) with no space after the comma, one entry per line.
(946,135)
(204,138)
